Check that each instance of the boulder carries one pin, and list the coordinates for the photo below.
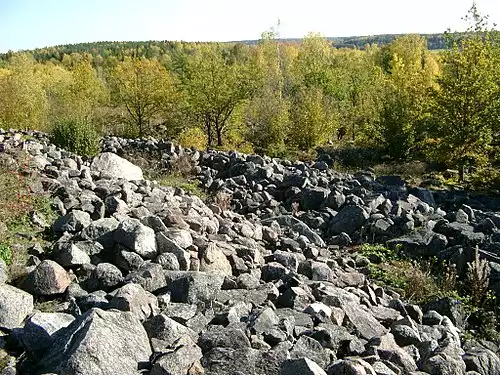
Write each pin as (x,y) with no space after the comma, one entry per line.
(40,329)
(133,298)
(15,305)
(301,366)
(47,279)
(111,165)
(349,219)
(99,343)
(137,237)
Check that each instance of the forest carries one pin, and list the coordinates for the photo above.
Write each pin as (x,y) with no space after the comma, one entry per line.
(397,96)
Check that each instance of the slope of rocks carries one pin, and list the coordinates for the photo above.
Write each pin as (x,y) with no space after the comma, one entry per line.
(155,281)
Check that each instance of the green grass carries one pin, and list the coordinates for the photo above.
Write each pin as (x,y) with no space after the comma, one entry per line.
(416,281)
(178,181)
(17,203)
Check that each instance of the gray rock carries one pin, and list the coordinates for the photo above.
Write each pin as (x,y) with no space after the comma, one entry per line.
(111,165)
(102,231)
(313,198)
(351,366)
(192,287)
(164,331)
(70,255)
(99,343)
(349,219)
(72,222)
(40,328)
(182,358)
(137,237)
(218,336)
(301,366)
(105,276)
(166,245)
(4,273)
(483,361)
(307,347)
(387,349)
(180,236)
(168,261)
(15,305)
(133,298)
(445,361)
(149,275)
(213,258)
(127,260)
(363,321)
(47,279)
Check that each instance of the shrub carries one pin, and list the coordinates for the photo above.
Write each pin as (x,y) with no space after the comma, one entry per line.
(76,136)
(193,137)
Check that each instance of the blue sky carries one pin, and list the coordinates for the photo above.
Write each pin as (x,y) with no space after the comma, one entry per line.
(26,24)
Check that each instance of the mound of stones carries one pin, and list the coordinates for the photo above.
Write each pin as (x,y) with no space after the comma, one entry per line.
(149,279)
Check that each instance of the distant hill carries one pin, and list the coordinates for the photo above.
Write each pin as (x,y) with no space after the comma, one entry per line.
(435,41)
(152,49)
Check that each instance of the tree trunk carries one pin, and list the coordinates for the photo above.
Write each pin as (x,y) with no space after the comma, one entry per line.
(461,173)
(219,136)
(208,130)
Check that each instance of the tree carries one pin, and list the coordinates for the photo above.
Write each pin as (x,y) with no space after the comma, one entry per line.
(410,72)
(23,101)
(267,114)
(145,89)
(214,87)
(75,93)
(312,121)
(466,105)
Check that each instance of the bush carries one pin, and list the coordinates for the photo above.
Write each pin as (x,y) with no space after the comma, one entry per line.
(76,136)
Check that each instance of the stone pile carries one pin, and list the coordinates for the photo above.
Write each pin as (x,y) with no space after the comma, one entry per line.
(155,281)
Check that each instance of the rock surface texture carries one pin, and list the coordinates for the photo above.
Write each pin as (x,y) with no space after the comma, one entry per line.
(156,281)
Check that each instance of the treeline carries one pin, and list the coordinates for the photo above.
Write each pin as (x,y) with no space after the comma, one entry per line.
(98,53)
(276,97)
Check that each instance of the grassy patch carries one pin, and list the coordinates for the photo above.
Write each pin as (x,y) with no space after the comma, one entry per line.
(416,281)
(18,201)
(178,181)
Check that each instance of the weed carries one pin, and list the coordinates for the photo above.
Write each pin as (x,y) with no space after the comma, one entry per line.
(418,281)
(6,254)
(478,273)
(223,200)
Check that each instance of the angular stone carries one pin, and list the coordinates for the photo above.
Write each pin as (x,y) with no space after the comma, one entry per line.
(111,165)
(40,329)
(137,237)
(72,222)
(164,331)
(105,276)
(481,360)
(301,366)
(213,259)
(133,298)
(47,279)
(193,287)
(182,358)
(218,336)
(166,245)
(349,219)
(149,275)
(99,343)
(15,305)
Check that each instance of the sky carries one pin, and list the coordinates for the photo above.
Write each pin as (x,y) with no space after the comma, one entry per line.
(27,24)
